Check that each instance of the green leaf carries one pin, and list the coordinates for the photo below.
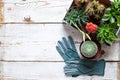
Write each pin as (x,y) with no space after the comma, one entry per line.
(106,17)
(106,33)
(108,42)
(112,20)
(77,16)
(118,21)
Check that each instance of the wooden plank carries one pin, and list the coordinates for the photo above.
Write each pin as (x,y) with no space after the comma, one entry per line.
(2,33)
(38,10)
(22,42)
(1,12)
(36,42)
(49,71)
(118,71)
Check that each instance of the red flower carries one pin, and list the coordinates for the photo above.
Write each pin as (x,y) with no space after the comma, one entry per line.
(90,27)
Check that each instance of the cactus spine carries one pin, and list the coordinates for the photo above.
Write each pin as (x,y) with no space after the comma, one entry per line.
(95,9)
(80,3)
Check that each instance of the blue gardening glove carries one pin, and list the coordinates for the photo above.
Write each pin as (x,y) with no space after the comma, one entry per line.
(67,50)
(88,67)
(74,64)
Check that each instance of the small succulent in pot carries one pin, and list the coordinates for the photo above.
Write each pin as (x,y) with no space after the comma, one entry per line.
(106,33)
(77,16)
(95,11)
(80,3)
(90,49)
(112,14)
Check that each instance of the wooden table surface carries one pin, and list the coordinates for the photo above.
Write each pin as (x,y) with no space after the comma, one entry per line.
(29,31)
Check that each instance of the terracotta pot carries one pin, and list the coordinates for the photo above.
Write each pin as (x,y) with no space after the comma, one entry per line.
(97,55)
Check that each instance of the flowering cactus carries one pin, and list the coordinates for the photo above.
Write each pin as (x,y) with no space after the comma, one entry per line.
(90,27)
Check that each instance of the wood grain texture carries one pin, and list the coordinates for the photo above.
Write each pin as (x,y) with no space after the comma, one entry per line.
(1,71)
(38,10)
(27,51)
(31,42)
(1,11)
(36,42)
(118,74)
(49,71)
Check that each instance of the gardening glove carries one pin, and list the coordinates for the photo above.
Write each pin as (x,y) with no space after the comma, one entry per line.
(74,64)
(85,67)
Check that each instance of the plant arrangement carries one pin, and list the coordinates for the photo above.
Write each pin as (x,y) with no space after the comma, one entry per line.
(97,23)
(95,11)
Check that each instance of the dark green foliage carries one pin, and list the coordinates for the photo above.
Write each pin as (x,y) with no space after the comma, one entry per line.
(106,33)
(77,16)
(112,14)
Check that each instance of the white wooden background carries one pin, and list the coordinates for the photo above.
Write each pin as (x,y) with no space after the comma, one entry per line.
(27,47)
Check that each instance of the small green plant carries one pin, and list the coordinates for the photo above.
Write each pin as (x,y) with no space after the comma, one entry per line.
(83,1)
(89,48)
(77,18)
(95,9)
(112,14)
(76,15)
(80,3)
(106,33)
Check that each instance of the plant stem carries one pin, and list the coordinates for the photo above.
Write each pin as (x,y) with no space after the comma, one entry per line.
(83,33)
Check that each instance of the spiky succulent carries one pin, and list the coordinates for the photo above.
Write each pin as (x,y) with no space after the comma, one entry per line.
(106,33)
(89,49)
(95,9)
(80,3)
(83,1)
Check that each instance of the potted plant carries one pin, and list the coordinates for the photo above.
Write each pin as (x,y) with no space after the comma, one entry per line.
(96,19)
(90,49)
(81,3)
(112,14)
(77,17)
(95,10)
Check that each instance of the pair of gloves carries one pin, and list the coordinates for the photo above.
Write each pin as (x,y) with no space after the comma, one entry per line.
(76,66)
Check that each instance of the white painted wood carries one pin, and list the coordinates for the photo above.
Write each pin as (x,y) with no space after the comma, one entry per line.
(111,51)
(49,71)
(2,34)
(36,42)
(38,10)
